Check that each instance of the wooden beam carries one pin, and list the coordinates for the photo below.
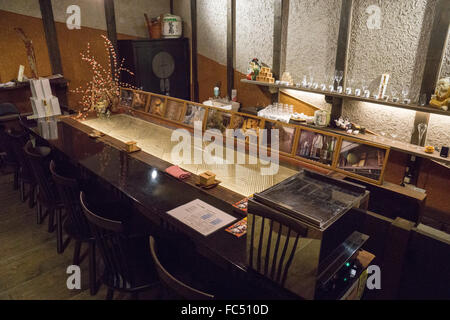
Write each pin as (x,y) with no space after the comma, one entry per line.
(281,17)
(171,6)
(111,22)
(194,49)
(51,36)
(436,47)
(341,62)
(231,44)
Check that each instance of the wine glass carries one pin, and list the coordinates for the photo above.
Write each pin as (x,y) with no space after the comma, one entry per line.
(350,84)
(405,93)
(423,99)
(394,93)
(365,87)
(421,128)
(338,75)
(394,137)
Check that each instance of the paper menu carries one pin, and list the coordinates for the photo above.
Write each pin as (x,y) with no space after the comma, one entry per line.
(201,216)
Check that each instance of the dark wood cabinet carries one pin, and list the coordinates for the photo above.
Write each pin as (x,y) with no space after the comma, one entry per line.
(160,66)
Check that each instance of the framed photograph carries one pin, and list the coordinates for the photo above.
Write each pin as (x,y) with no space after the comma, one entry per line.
(140,100)
(194,113)
(363,160)
(174,110)
(286,135)
(218,119)
(157,106)
(126,97)
(317,147)
(245,125)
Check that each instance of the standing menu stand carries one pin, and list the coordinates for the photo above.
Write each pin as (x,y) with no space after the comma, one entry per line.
(45,107)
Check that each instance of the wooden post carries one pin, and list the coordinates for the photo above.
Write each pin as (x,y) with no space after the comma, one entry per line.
(342,52)
(111,22)
(194,49)
(51,36)
(231,44)
(394,257)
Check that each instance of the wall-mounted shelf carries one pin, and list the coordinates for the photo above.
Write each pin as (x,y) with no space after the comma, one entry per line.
(427,109)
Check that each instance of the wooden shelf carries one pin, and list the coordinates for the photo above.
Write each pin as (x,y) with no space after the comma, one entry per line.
(427,109)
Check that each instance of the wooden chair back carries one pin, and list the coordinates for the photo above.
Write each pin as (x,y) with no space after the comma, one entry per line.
(39,159)
(181,289)
(273,242)
(69,192)
(113,244)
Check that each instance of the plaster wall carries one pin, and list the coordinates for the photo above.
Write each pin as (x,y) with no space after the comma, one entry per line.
(129,14)
(313,28)
(212,29)
(254,32)
(26,7)
(445,70)
(398,48)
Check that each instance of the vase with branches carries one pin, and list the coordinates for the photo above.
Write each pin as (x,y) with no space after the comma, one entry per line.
(102,93)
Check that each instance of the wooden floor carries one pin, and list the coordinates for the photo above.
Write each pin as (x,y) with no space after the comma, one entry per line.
(30,267)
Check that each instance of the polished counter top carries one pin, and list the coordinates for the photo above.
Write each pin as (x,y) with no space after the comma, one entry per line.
(153,191)
(244,179)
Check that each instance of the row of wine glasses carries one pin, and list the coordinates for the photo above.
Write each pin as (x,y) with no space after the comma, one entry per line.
(357,88)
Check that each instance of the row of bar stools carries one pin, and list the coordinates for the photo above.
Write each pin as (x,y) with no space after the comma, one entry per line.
(48,200)
(25,174)
(76,226)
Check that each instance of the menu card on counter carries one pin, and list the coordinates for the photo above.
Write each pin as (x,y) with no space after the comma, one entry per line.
(201,216)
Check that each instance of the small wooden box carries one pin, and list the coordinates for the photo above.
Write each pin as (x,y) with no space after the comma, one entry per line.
(131,146)
(207,178)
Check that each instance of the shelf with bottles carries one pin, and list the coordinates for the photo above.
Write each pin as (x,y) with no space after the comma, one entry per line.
(326,92)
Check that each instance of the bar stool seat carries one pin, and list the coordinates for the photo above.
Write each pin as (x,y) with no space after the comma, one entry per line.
(178,273)
(17,140)
(75,225)
(48,197)
(127,265)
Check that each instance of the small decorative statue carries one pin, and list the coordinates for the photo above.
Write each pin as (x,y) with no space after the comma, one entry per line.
(254,69)
(441,97)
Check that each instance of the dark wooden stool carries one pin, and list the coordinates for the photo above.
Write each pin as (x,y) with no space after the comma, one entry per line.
(39,158)
(17,142)
(128,266)
(76,226)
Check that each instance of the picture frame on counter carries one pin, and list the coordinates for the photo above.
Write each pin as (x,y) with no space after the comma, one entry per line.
(288,135)
(367,162)
(317,147)
(140,101)
(362,159)
(126,97)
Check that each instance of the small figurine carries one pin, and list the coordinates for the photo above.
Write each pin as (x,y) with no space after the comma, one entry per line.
(254,69)
(441,97)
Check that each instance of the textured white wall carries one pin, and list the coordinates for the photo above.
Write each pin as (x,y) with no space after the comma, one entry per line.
(313,28)
(438,131)
(445,70)
(92,12)
(398,48)
(182,8)
(130,15)
(380,118)
(254,32)
(212,29)
(25,7)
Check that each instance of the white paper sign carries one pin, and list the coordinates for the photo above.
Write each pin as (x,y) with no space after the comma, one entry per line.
(201,216)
